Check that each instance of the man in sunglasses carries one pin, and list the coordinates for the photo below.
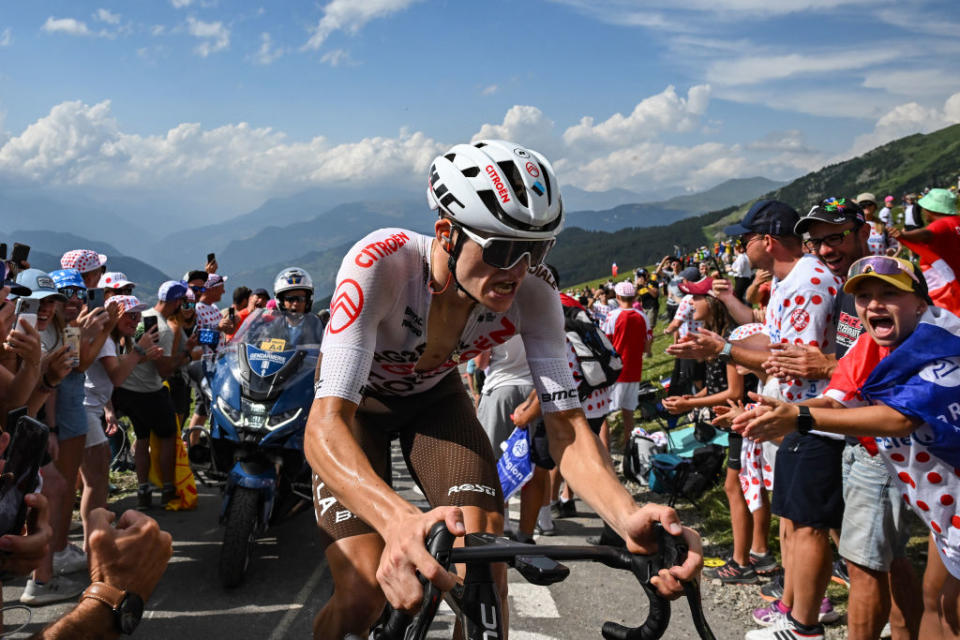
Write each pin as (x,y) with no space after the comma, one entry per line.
(407,310)
(293,288)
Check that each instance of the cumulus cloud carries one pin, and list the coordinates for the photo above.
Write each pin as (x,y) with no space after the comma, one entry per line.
(214,36)
(104,15)
(267,53)
(351,16)
(6,37)
(526,125)
(69,26)
(907,119)
(336,58)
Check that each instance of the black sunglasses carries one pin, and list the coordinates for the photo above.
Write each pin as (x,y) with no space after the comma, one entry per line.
(832,240)
(294,298)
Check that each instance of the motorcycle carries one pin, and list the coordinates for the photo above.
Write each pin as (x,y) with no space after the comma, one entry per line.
(260,388)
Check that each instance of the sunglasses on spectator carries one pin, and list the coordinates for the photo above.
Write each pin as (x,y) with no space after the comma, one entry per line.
(73,292)
(832,240)
(124,291)
(294,298)
(188,305)
(882,265)
(197,289)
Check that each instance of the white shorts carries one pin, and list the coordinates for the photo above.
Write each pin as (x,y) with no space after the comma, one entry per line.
(95,434)
(624,395)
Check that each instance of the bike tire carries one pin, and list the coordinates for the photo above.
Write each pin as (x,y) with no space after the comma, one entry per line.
(239,537)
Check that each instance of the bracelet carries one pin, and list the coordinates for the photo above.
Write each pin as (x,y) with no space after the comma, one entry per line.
(55,430)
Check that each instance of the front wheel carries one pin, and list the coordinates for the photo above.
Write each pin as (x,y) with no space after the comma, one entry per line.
(240,535)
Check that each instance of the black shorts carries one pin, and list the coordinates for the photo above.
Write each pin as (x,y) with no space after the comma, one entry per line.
(808,481)
(180,394)
(446,450)
(735,442)
(149,412)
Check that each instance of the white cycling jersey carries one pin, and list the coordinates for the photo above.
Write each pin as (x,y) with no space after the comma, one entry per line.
(378,322)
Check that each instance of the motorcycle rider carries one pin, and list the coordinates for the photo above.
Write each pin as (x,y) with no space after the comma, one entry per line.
(407,309)
(293,289)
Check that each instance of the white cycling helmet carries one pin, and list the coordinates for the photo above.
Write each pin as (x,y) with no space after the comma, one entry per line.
(292,278)
(497,188)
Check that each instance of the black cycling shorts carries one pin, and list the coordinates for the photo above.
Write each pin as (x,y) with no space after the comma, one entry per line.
(445,448)
(150,411)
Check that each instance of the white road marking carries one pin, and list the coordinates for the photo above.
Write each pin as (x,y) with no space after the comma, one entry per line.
(281,629)
(246,609)
(532,601)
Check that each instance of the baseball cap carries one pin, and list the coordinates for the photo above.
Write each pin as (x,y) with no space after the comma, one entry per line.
(699,288)
(888,199)
(16,289)
(866,197)
(171,290)
(895,271)
(744,331)
(261,292)
(690,273)
(83,260)
(68,278)
(941,201)
(40,284)
(215,280)
(832,210)
(114,280)
(129,304)
(625,289)
(766,217)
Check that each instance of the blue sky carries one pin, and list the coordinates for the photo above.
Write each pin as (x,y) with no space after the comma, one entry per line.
(227,103)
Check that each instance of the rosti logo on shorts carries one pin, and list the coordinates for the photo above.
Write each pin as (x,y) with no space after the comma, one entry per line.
(520,448)
(498,184)
(346,305)
(799,319)
(474,488)
(379,249)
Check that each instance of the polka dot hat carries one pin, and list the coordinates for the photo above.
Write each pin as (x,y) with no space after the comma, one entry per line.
(744,331)
(114,280)
(83,260)
(129,304)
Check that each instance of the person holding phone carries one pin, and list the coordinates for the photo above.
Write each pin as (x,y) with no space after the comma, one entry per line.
(147,402)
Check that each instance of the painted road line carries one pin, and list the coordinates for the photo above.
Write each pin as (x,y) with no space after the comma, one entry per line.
(246,609)
(532,601)
(281,630)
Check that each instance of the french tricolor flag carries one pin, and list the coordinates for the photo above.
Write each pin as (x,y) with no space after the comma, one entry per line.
(921,379)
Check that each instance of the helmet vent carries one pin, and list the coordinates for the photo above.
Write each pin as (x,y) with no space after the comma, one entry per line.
(471,172)
(546,178)
(489,199)
(516,182)
(480,145)
(450,156)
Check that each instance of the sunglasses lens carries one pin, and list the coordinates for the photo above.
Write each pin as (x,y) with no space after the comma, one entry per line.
(503,253)
(882,265)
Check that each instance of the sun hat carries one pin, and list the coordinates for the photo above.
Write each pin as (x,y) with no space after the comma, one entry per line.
(625,289)
(215,280)
(171,290)
(129,304)
(40,284)
(83,260)
(68,278)
(766,217)
(114,280)
(698,288)
(894,271)
(744,331)
(866,196)
(832,210)
(942,201)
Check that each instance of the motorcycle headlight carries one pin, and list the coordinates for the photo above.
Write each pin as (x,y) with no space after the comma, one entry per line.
(232,414)
(254,415)
(283,419)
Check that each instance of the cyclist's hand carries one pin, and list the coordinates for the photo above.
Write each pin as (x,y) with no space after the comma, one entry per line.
(405,553)
(642,539)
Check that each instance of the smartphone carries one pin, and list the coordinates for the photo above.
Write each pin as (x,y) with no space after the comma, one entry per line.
(3,250)
(27,309)
(149,322)
(232,313)
(208,338)
(20,253)
(211,257)
(12,417)
(71,338)
(94,298)
(21,472)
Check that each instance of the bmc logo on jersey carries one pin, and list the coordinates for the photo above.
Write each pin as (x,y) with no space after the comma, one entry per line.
(558,395)
(799,319)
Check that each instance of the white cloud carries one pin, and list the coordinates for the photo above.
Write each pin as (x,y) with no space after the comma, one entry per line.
(157,30)
(69,26)
(267,53)
(907,119)
(526,125)
(912,82)
(104,15)
(180,4)
(336,58)
(757,69)
(6,37)
(213,35)
(489,90)
(351,16)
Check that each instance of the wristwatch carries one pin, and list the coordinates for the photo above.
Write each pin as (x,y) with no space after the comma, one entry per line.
(724,354)
(804,420)
(127,606)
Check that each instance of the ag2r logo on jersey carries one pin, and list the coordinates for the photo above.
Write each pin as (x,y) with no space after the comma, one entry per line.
(346,305)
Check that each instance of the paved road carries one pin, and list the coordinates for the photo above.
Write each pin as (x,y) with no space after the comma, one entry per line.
(288,581)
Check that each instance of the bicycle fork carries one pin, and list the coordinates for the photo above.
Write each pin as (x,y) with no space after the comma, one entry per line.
(479,604)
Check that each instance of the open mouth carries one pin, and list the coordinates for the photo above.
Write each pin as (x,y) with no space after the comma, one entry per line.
(883,326)
(504,288)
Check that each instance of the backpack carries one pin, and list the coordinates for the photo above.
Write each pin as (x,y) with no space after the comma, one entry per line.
(599,362)
(706,470)
(638,459)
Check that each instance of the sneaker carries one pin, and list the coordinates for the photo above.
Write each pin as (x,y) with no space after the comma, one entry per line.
(735,573)
(784,629)
(144,498)
(828,615)
(764,564)
(564,509)
(520,536)
(711,572)
(549,531)
(840,574)
(773,590)
(57,589)
(770,615)
(71,559)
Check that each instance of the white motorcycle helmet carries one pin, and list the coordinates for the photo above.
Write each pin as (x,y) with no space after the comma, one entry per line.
(291,279)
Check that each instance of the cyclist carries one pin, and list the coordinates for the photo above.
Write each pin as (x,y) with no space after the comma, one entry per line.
(406,310)
(293,289)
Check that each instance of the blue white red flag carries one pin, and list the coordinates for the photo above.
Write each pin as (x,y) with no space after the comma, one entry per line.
(921,379)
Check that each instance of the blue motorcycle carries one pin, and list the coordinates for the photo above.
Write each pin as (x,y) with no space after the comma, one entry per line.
(260,388)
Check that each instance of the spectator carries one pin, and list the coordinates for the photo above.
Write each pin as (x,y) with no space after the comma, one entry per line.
(601,306)
(670,278)
(911,213)
(879,242)
(115,283)
(185,320)
(147,402)
(742,273)
(208,314)
(89,263)
(938,245)
(885,215)
(261,298)
(648,297)
(627,329)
